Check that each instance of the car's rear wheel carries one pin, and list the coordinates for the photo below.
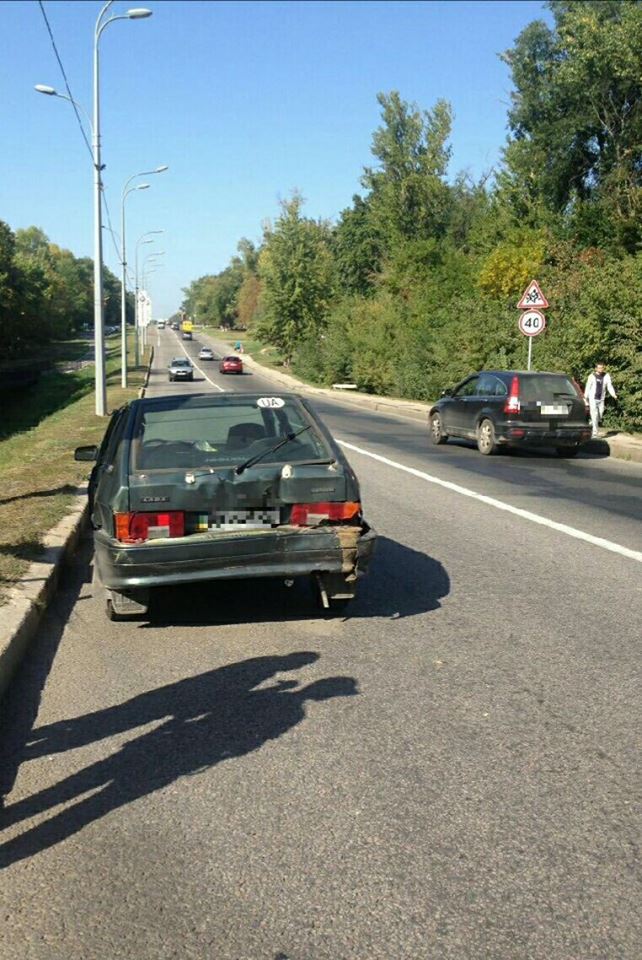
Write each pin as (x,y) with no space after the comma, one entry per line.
(437,434)
(486,442)
(567,452)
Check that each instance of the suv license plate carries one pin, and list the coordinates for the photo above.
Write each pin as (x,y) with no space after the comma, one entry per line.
(245,519)
(554,410)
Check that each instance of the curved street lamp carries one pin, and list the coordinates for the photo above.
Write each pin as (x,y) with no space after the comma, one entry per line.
(135,13)
(127,189)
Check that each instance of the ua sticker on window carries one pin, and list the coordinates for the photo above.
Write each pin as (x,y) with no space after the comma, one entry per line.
(270,402)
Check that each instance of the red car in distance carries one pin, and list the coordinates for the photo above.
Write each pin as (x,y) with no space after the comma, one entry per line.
(230,365)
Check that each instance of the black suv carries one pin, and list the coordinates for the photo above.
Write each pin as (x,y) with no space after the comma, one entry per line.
(513,408)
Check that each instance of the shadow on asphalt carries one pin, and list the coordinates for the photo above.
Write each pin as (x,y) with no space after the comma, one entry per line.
(19,706)
(202,721)
(402,582)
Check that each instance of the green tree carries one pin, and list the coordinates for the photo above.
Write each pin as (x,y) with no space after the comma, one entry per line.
(408,192)
(576,117)
(298,277)
(357,248)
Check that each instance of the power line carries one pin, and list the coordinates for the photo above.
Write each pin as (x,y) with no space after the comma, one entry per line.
(109,226)
(64,76)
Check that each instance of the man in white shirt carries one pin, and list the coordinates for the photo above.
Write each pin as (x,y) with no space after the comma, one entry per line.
(595,393)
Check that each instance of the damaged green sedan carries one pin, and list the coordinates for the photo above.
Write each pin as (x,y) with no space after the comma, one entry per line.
(200,487)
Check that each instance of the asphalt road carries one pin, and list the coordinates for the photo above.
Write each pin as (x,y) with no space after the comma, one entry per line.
(450,771)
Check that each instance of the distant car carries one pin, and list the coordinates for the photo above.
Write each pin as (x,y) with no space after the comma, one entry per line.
(174,325)
(513,408)
(201,487)
(205,353)
(160,324)
(180,369)
(230,365)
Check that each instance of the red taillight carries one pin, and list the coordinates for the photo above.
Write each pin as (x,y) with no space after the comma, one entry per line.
(310,514)
(135,527)
(512,404)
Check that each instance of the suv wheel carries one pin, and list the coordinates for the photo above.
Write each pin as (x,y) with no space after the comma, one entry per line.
(437,434)
(486,443)
(567,452)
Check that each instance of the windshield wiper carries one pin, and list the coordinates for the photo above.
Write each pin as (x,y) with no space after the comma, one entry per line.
(265,453)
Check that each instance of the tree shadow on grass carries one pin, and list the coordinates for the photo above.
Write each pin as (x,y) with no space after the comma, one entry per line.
(65,488)
(25,409)
(219,715)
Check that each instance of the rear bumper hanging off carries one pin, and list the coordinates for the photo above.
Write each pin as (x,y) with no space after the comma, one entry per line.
(282,552)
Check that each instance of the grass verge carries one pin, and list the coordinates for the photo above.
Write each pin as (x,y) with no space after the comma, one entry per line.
(38,475)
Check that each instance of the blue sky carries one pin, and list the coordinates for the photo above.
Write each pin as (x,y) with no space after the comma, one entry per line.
(245,101)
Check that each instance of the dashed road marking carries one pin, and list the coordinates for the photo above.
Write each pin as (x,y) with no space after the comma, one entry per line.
(191,359)
(500,505)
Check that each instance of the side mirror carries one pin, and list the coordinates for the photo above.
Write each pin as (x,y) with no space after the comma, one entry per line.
(86,453)
(446,393)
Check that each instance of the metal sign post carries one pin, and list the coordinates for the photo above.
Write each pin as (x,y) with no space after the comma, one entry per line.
(532,322)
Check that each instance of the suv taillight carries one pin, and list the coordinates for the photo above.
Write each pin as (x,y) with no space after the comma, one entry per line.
(136,527)
(310,514)
(512,404)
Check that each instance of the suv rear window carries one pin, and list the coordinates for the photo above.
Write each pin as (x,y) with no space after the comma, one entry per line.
(546,386)
(176,435)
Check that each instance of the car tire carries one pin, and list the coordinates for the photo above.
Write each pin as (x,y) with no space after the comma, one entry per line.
(486,443)
(171,379)
(437,434)
(567,452)
(191,376)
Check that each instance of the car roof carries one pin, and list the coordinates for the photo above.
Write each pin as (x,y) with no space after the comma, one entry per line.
(211,399)
(521,373)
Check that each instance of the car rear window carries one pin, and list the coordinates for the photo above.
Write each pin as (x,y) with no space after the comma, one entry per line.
(177,435)
(546,386)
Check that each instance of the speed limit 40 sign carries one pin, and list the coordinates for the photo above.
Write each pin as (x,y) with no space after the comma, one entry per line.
(532,322)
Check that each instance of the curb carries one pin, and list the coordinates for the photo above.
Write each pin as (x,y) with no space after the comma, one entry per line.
(141,392)
(28,601)
(619,446)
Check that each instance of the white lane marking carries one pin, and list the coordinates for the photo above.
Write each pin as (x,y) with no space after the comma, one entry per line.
(180,343)
(500,505)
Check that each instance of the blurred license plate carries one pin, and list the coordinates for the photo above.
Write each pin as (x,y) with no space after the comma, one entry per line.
(554,410)
(244,519)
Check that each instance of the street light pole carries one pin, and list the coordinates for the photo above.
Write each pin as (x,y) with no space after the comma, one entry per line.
(141,239)
(99,306)
(137,13)
(123,260)
(99,313)
(152,259)
(123,284)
